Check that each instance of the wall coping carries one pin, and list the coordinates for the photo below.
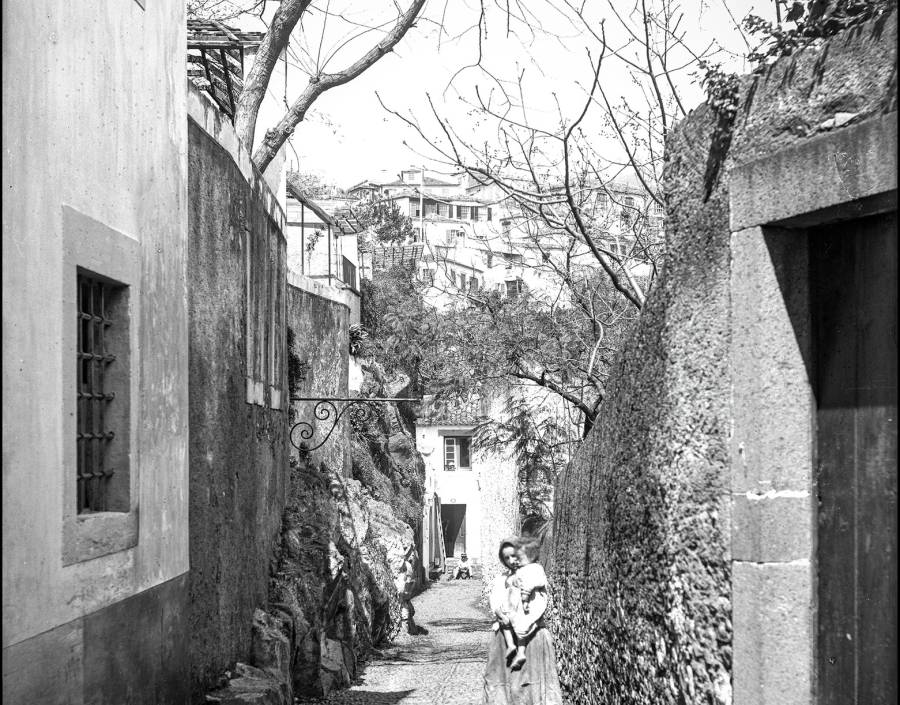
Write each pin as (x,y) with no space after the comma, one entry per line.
(317,288)
(824,172)
(203,111)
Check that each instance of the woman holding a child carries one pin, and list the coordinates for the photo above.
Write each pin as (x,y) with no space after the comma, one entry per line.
(521,664)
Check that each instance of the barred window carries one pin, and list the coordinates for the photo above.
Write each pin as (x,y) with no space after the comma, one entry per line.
(102,380)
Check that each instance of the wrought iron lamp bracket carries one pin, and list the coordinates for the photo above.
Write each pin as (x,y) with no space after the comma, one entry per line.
(331,410)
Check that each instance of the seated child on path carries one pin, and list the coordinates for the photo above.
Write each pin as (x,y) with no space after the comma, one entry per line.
(525,599)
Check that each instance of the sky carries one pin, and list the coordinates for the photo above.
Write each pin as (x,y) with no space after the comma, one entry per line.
(349,136)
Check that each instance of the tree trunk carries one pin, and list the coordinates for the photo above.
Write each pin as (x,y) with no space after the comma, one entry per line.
(273,44)
(322,82)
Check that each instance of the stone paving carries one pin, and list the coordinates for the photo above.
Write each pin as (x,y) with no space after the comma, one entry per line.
(443,667)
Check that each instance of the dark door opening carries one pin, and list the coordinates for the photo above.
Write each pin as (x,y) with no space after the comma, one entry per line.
(453,522)
(853,297)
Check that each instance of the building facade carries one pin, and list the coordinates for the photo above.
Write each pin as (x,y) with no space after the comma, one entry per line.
(323,247)
(95,435)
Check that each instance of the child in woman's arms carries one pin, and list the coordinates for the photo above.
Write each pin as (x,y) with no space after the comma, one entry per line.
(527,600)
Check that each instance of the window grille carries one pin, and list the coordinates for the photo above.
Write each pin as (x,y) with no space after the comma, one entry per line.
(94,398)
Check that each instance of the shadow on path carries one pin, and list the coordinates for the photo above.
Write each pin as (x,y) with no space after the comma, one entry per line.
(443,667)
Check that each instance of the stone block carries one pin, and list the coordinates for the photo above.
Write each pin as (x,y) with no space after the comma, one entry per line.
(772,527)
(771,444)
(270,649)
(251,686)
(832,169)
(773,633)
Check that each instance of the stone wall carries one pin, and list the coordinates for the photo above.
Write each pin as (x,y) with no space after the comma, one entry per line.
(238,439)
(642,566)
(318,366)
(353,511)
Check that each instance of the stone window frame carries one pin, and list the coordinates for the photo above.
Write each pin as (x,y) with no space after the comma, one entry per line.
(96,248)
(773,532)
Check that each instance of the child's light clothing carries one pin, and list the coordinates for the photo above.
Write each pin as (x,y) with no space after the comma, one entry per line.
(532,584)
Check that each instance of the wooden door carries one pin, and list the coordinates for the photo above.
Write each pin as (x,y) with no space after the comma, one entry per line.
(853,290)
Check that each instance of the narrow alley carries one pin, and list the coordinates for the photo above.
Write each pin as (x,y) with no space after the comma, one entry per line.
(443,667)
(311,306)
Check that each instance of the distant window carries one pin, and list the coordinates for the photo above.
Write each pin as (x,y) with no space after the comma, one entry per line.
(457,453)
(629,201)
(473,212)
(473,284)
(489,214)
(514,287)
(428,276)
(602,201)
(462,212)
(512,257)
(453,277)
(657,209)
(443,210)
(414,211)
(489,258)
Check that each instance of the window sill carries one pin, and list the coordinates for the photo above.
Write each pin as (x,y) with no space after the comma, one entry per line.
(88,536)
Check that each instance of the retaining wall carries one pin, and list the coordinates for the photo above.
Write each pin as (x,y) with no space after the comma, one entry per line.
(238,433)
(650,510)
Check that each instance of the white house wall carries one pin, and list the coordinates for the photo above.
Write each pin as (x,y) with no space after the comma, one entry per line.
(94,158)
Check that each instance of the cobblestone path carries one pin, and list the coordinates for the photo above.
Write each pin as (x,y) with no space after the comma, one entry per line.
(443,667)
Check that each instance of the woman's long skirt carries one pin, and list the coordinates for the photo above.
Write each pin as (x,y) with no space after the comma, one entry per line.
(536,683)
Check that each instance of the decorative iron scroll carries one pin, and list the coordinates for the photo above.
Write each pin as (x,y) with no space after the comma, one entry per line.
(328,410)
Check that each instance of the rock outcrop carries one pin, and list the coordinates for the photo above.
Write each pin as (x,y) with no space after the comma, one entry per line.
(332,596)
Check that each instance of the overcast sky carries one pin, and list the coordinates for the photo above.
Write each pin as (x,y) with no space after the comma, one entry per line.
(349,137)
